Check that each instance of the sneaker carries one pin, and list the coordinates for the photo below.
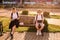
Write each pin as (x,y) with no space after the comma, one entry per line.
(11,36)
(37,32)
(40,33)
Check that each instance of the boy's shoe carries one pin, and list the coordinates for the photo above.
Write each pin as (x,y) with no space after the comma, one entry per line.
(37,32)
(11,36)
(40,33)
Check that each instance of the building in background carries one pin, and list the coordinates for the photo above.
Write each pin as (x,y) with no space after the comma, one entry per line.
(41,1)
(36,1)
(23,3)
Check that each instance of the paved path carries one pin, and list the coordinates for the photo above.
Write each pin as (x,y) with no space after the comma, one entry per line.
(53,21)
(32,36)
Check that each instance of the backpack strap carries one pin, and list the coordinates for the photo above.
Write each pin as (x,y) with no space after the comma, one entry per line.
(17,14)
(41,16)
(11,15)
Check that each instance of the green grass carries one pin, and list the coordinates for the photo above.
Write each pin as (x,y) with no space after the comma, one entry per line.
(51,28)
(54,28)
(55,16)
(6,21)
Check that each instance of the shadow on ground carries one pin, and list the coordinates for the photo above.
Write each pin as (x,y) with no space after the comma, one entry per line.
(32,35)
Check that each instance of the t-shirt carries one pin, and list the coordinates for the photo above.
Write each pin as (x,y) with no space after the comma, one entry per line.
(39,17)
(14,15)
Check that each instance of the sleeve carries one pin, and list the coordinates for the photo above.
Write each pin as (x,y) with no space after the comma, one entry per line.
(35,18)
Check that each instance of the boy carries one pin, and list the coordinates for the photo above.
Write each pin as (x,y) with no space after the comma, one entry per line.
(39,19)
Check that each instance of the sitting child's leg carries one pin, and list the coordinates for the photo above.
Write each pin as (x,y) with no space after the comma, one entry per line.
(41,28)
